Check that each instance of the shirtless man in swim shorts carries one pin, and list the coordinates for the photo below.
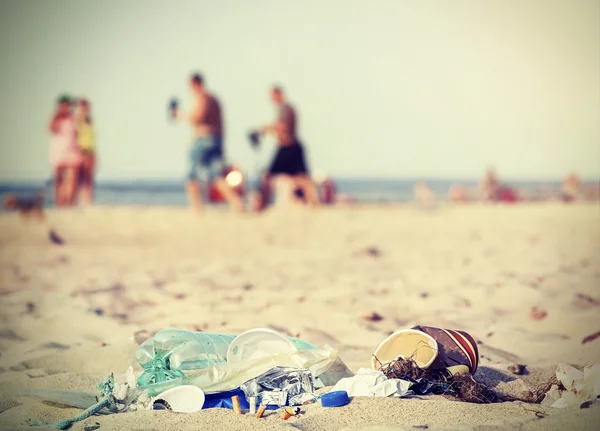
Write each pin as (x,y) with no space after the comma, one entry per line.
(206,152)
(289,161)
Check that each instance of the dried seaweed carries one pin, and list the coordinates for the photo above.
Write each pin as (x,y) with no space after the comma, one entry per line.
(466,388)
(462,387)
(538,395)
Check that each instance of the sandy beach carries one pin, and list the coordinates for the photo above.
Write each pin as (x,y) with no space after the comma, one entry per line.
(72,313)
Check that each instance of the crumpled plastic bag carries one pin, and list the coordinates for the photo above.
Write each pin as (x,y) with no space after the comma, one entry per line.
(579,386)
(281,386)
(227,377)
(372,383)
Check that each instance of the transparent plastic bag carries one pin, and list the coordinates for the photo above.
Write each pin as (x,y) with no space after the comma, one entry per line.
(174,357)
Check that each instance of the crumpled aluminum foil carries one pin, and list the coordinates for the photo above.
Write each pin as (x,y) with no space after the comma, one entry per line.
(281,386)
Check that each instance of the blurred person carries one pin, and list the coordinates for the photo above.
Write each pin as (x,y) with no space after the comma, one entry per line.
(87,145)
(289,163)
(489,186)
(327,191)
(458,193)
(206,152)
(592,191)
(571,188)
(424,194)
(65,155)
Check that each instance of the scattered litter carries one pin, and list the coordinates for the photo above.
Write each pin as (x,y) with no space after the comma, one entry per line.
(578,386)
(586,405)
(430,348)
(590,337)
(92,427)
(237,408)
(586,301)
(335,399)
(281,387)
(258,343)
(55,238)
(175,357)
(160,405)
(517,369)
(286,414)
(336,372)
(263,369)
(373,317)
(372,383)
(261,411)
(181,399)
(373,251)
(538,313)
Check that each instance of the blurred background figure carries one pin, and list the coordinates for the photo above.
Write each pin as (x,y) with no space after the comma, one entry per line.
(327,191)
(65,155)
(206,153)
(571,188)
(489,186)
(459,194)
(423,194)
(87,145)
(289,164)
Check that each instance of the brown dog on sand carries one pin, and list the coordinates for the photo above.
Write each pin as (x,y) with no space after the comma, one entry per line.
(27,207)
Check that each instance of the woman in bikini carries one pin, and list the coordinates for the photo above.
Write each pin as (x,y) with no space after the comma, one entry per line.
(85,138)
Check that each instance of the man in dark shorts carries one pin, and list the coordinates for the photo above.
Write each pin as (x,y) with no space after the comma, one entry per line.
(205,156)
(289,161)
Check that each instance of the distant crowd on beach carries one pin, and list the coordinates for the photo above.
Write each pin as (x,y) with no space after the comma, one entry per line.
(286,180)
(491,189)
(73,156)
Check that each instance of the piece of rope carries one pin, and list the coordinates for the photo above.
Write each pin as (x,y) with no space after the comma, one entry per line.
(107,401)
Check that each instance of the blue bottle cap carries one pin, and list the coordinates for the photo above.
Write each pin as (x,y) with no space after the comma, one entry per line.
(335,399)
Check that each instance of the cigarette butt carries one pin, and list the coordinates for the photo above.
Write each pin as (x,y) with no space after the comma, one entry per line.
(252,402)
(286,415)
(261,411)
(236,404)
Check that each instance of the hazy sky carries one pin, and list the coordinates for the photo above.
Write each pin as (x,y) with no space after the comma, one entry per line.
(383,88)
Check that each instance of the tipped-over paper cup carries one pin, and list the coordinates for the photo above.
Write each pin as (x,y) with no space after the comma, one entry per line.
(406,344)
(431,348)
(456,348)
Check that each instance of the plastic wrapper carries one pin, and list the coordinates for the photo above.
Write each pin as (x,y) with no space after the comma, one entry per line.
(579,386)
(371,383)
(281,386)
(171,353)
(227,377)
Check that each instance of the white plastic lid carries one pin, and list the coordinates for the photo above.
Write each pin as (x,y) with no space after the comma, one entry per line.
(182,399)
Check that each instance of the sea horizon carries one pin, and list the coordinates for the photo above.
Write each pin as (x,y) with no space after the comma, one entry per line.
(170,191)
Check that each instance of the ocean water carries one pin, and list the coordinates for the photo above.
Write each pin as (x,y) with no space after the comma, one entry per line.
(171,192)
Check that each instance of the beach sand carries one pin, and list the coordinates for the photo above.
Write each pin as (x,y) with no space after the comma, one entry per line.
(72,313)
